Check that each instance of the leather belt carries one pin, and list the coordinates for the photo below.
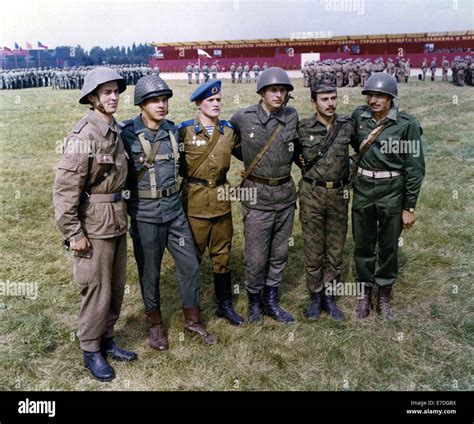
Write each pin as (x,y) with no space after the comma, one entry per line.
(325,184)
(103,198)
(146,194)
(378,174)
(207,183)
(269,181)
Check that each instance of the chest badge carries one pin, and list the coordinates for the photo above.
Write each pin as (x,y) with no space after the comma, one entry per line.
(252,135)
(311,137)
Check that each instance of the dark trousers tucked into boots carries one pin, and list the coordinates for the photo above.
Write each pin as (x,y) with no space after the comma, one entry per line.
(194,327)
(271,306)
(223,290)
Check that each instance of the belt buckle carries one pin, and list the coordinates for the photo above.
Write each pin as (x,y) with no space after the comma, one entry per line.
(117,197)
(329,184)
(273,181)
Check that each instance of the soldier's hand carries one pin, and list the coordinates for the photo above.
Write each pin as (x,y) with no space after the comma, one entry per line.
(408,219)
(82,244)
(301,160)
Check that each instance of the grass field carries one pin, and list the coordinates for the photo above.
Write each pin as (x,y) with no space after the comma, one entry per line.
(429,347)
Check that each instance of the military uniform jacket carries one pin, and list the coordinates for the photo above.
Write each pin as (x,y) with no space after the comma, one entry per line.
(92,145)
(154,211)
(334,165)
(254,127)
(397,148)
(203,201)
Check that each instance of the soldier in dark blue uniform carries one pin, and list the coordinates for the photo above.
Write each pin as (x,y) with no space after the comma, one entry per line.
(158,220)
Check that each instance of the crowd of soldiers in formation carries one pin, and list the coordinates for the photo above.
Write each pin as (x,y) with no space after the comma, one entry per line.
(66,78)
(340,72)
(236,72)
(352,73)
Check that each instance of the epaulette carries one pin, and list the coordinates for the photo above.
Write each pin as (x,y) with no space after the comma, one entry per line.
(186,124)
(125,123)
(225,123)
(79,126)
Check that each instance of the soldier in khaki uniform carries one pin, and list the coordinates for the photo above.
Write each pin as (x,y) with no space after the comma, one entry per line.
(92,215)
(208,145)
(323,199)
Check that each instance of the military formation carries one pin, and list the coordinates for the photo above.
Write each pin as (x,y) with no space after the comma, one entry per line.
(108,171)
(66,78)
(353,73)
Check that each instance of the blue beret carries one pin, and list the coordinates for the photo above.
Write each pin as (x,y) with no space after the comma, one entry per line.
(206,90)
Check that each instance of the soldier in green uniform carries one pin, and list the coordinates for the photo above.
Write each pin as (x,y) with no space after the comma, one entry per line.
(325,139)
(158,221)
(208,146)
(386,188)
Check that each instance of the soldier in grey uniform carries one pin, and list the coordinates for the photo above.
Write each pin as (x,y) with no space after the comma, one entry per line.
(157,217)
(256,71)
(197,71)
(324,199)
(189,71)
(91,213)
(247,73)
(232,73)
(205,72)
(214,71)
(240,71)
(268,221)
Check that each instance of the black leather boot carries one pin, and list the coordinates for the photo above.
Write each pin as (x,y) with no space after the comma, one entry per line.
(98,366)
(108,347)
(330,307)
(272,308)
(223,290)
(255,307)
(315,307)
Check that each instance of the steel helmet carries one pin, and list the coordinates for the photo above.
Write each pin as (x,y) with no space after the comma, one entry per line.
(382,83)
(151,86)
(274,76)
(99,76)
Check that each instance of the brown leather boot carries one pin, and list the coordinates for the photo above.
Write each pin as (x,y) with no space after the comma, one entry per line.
(158,339)
(383,305)
(364,304)
(194,327)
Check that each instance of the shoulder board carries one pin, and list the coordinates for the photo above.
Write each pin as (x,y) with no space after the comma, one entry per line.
(225,123)
(406,115)
(186,124)
(125,123)
(249,109)
(344,118)
(79,126)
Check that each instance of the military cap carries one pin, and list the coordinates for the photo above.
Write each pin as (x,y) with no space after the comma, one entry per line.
(322,87)
(206,90)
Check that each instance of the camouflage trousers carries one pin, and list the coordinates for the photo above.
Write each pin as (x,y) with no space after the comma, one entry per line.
(323,216)
(267,235)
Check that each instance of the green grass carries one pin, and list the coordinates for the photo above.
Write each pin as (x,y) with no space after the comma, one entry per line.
(430,347)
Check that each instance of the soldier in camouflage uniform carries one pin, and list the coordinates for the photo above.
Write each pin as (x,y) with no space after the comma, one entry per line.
(323,198)
(268,221)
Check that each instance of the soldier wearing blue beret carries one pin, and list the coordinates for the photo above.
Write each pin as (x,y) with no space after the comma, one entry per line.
(208,145)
